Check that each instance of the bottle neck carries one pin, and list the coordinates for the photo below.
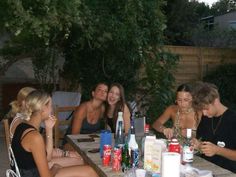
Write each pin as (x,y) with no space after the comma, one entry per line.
(132,136)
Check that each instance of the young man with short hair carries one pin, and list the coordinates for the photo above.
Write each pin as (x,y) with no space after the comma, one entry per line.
(217,129)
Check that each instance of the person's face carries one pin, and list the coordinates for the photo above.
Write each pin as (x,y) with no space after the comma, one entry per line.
(47,109)
(210,110)
(184,100)
(101,92)
(113,95)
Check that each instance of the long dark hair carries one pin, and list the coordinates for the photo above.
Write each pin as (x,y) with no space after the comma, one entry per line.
(119,105)
(185,88)
(189,88)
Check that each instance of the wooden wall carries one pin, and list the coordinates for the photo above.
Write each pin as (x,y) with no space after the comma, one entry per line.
(195,62)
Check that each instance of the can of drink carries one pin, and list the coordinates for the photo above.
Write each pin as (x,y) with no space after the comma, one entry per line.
(106,155)
(116,161)
(174,146)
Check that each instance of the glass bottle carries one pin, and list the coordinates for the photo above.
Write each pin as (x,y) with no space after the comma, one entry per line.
(119,118)
(125,156)
(119,140)
(146,133)
(187,156)
(133,148)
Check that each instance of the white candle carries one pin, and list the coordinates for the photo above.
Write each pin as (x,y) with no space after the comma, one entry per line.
(170,166)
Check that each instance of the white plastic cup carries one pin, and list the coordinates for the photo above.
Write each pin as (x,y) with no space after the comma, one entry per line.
(140,172)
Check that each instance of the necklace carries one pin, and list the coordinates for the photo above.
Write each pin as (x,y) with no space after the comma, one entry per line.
(189,110)
(217,125)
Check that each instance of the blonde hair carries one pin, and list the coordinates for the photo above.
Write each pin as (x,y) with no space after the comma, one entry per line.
(16,104)
(34,102)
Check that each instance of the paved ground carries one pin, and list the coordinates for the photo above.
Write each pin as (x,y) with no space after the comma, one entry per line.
(4,164)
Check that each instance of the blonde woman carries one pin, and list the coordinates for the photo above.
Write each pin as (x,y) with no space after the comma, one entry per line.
(64,158)
(28,144)
(14,115)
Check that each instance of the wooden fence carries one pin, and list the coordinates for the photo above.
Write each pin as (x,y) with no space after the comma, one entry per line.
(196,62)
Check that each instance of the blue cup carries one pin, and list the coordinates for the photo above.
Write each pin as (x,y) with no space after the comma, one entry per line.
(105,138)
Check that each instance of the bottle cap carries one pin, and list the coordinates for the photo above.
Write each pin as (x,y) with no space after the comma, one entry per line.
(120,113)
(174,141)
(146,128)
(132,129)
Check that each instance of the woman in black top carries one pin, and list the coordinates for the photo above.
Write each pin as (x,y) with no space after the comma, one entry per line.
(115,103)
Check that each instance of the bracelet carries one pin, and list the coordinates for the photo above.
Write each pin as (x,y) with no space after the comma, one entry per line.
(65,153)
(162,128)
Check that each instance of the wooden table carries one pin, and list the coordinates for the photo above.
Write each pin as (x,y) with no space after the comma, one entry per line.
(94,160)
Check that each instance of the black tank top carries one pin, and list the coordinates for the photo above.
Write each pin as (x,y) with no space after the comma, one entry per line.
(111,124)
(23,158)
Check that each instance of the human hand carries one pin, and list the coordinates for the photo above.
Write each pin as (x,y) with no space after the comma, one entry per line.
(168,132)
(50,122)
(196,143)
(74,154)
(208,148)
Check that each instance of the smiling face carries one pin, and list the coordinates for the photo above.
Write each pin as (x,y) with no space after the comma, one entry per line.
(113,95)
(184,100)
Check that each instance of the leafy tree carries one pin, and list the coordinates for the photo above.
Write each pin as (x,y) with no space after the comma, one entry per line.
(223,6)
(123,36)
(37,29)
(101,40)
(182,17)
(215,37)
(114,51)
(225,83)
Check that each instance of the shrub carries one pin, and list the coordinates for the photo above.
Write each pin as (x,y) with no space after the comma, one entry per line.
(224,77)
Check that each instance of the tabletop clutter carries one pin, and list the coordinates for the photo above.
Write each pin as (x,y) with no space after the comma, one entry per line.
(150,157)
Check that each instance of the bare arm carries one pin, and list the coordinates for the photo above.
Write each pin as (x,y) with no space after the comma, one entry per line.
(166,115)
(159,123)
(34,143)
(49,124)
(210,149)
(126,118)
(78,118)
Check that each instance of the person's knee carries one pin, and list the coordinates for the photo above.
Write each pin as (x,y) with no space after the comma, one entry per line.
(91,172)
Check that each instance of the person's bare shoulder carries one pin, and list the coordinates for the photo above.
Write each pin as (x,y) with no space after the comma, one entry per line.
(82,108)
(32,140)
(172,109)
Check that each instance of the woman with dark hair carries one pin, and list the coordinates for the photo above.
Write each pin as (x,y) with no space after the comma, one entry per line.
(115,103)
(87,116)
(182,114)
